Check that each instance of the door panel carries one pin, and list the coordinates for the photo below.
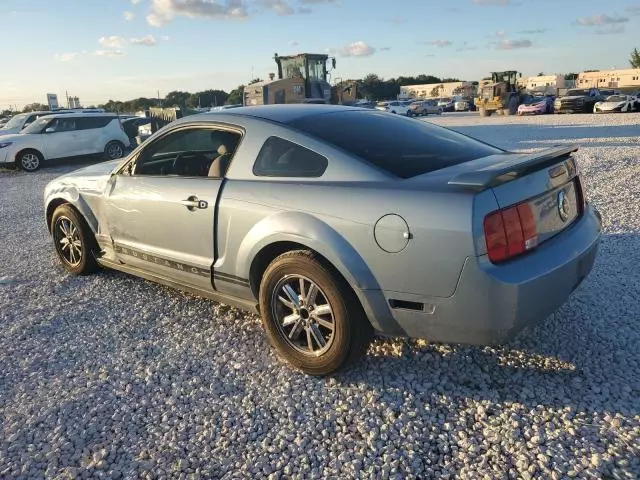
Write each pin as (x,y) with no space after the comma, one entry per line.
(161,214)
(153,229)
(64,141)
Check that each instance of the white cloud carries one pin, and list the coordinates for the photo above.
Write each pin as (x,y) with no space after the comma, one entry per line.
(279,7)
(66,57)
(163,11)
(355,49)
(600,20)
(109,53)
(441,43)
(147,41)
(506,44)
(135,2)
(112,41)
(128,16)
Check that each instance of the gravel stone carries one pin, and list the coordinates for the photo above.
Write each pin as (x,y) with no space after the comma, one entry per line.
(110,376)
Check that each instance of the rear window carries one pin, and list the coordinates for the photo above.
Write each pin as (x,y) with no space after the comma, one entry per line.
(400,146)
(281,158)
(89,123)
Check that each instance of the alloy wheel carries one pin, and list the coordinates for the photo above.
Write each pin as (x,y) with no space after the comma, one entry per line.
(29,161)
(114,150)
(68,242)
(303,315)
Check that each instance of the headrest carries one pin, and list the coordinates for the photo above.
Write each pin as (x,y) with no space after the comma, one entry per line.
(222,150)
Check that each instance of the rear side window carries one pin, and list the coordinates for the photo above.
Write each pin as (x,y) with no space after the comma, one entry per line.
(400,146)
(89,123)
(281,158)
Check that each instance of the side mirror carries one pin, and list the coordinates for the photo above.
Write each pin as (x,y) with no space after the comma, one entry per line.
(50,130)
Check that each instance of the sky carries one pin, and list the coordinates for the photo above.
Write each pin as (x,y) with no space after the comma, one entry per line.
(123,49)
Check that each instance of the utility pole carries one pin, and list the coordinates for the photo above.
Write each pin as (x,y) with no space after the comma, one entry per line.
(159,102)
(66,94)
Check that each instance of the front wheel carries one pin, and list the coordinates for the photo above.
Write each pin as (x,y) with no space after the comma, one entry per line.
(310,314)
(74,242)
(114,150)
(29,160)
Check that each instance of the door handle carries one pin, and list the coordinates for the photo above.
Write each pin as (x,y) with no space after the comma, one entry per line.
(192,203)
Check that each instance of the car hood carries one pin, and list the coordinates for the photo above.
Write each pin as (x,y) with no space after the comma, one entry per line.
(91,180)
(610,104)
(97,170)
(575,97)
(8,131)
(10,137)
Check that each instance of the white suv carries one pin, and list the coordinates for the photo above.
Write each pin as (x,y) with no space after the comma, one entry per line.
(62,136)
(395,106)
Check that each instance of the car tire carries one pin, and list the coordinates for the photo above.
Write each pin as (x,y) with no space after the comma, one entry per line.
(74,242)
(29,160)
(315,343)
(114,150)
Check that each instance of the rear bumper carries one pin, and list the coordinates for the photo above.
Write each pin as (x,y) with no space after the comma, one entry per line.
(491,304)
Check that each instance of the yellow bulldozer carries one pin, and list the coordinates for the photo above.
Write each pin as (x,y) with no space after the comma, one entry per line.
(301,78)
(501,95)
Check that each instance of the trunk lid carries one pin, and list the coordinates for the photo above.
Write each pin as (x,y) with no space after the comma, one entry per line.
(546,183)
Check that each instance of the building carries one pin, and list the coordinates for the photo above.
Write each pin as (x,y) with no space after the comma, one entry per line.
(542,81)
(627,78)
(433,90)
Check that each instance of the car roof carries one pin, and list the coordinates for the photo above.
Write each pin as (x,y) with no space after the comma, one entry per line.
(80,114)
(275,113)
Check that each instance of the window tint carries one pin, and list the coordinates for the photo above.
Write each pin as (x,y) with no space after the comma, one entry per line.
(88,123)
(280,158)
(195,152)
(400,146)
(63,125)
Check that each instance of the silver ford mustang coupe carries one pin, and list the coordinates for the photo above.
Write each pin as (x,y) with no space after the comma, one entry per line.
(335,223)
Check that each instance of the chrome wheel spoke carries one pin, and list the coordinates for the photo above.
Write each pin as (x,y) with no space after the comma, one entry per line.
(292,295)
(324,323)
(309,339)
(317,336)
(286,303)
(310,298)
(290,319)
(302,289)
(295,331)
(322,310)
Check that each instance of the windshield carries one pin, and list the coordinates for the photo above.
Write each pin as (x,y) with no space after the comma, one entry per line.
(293,68)
(616,98)
(577,93)
(402,147)
(532,100)
(316,69)
(38,126)
(17,121)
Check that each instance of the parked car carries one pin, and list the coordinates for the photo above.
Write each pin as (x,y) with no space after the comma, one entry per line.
(220,108)
(20,121)
(445,237)
(394,106)
(536,105)
(447,104)
(64,136)
(131,126)
(616,104)
(464,104)
(577,100)
(423,107)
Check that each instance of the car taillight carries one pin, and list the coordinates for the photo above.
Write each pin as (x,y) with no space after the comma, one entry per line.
(510,232)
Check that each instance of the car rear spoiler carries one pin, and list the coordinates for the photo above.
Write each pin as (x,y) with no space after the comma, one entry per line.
(512,168)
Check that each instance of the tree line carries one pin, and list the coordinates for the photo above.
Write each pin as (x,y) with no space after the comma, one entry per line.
(372,86)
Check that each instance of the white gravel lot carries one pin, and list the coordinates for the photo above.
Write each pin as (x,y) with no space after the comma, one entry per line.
(112,376)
